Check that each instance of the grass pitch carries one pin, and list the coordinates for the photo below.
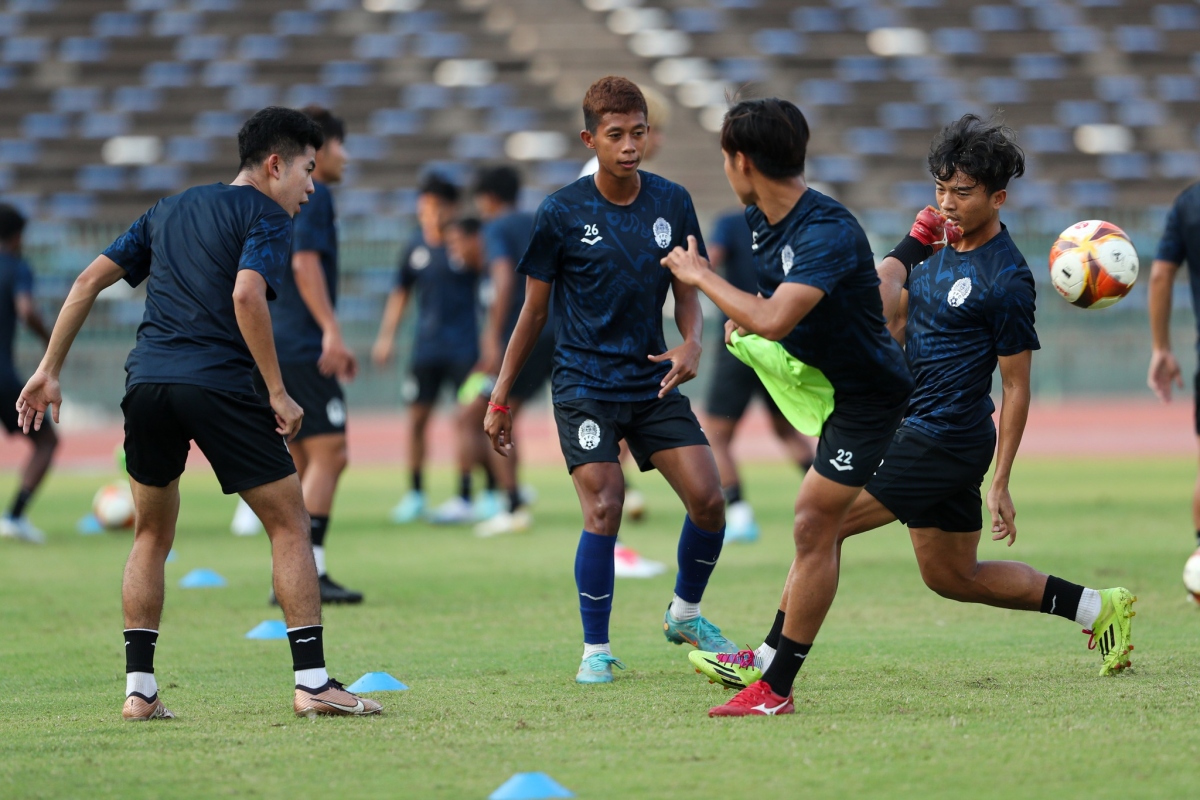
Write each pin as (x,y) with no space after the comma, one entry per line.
(905,695)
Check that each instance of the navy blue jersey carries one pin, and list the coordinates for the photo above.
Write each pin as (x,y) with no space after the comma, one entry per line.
(506,237)
(820,244)
(15,278)
(609,286)
(191,246)
(314,229)
(964,310)
(446,295)
(732,234)
(1181,240)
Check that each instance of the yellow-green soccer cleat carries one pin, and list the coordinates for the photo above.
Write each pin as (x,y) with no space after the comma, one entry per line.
(1112,630)
(731,670)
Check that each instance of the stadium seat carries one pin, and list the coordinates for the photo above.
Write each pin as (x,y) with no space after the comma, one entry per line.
(82,50)
(1120,88)
(252,97)
(378,45)
(1125,166)
(825,92)
(917,68)
(77,98)
(1077,39)
(1045,139)
(208,47)
(1141,113)
(1025,193)
(190,149)
(72,205)
(699,20)
(957,41)
(1003,91)
(1138,39)
(476,146)
(417,22)
(871,17)
(425,96)
(261,47)
(395,122)
(558,172)
(742,70)
(835,168)
(176,23)
(904,116)
(1088,193)
(19,151)
(993,18)
(817,19)
(45,125)
(861,69)
(1074,113)
(1179,164)
(298,23)
(510,120)
(24,49)
(870,141)
(778,42)
(159,177)
(1176,17)
(167,74)
(346,73)
(217,124)
(913,194)
(303,94)
(947,90)
(494,95)
(100,178)
(442,45)
(359,202)
(1053,16)
(104,125)
(136,98)
(10,24)
(1177,88)
(116,24)
(1039,66)
(227,73)
(367,148)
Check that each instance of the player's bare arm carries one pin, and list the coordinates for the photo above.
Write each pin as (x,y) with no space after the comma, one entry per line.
(1164,368)
(685,359)
(1014,411)
(393,312)
(42,391)
(534,313)
(336,359)
(504,275)
(254,322)
(27,312)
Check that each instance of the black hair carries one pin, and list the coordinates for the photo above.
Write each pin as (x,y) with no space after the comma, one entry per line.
(438,186)
(468,226)
(503,183)
(276,130)
(985,151)
(12,223)
(772,133)
(331,127)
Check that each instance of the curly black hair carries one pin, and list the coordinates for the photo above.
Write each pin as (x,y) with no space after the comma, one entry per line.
(984,150)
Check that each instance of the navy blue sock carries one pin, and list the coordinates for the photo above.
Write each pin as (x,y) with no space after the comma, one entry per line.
(698,553)
(594,578)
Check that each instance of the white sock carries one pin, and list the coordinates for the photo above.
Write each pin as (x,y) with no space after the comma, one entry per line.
(592,649)
(141,682)
(682,610)
(1089,608)
(764,655)
(319,557)
(312,678)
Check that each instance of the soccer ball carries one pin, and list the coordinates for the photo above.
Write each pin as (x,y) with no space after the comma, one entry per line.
(1093,264)
(1191,575)
(113,506)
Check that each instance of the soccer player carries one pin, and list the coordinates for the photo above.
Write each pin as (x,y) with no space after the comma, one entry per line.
(595,246)
(16,304)
(962,309)
(211,258)
(446,344)
(734,385)
(819,299)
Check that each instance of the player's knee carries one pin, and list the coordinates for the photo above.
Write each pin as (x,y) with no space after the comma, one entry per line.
(813,533)
(603,515)
(708,510)
(946,581)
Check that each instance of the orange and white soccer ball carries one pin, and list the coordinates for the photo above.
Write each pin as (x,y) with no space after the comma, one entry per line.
(113,506)
(1093,264)
(1191,575)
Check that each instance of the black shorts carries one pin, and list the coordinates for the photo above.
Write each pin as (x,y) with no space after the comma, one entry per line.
(536,371)
(319,395)
(431,376)
(591,430)
(929,484)
(235,431)
(855,437)
(733,386)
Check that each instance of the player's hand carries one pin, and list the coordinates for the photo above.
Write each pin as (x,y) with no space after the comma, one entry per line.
(687,265)
(40,393)
(288,415)
(1004,514)
(933,229)
(1164,373)
(498,427)
(730,327)
(685,360)
(336,359)
(382,351)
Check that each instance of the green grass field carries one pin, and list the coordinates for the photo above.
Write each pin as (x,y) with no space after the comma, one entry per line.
(905,695)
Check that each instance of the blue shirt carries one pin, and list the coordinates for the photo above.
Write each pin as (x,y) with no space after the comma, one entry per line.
(191,247)
(820,244)
(965,310)
(447,324)
(732,234)
(16,278)
(1181,240)
(297,334)
(609,288)
(506,237)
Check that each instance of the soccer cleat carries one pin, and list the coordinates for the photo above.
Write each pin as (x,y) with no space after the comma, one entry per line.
(1112,630)
(628,564)
(597,668)
(410,508)
(699,633)
(139,708)
(333,592)
(21,528)
(740,525)
(504,522)
(487,505)
(332,700)
(455,511)
(731,670)
(635,505)
(756,700)
(245,523)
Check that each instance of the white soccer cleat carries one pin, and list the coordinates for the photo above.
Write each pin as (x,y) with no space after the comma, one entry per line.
(740,525)
(245,523)
(21,528)
(504,522)
(455,511)
(628,564)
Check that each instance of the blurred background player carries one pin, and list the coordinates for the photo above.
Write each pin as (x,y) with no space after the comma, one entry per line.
(16,305)
(734,385)
(446,341)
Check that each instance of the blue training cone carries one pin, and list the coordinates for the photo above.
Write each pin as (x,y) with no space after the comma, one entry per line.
(89,525)
(172,556)
(377,682)
(201,579)
(530,786)
(270,629)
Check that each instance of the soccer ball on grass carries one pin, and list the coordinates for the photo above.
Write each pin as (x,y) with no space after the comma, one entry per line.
(1191,575)
(113,506)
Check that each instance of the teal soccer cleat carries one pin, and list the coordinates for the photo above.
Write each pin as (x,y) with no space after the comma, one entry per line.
(699,633)
(597,668)
(410,508)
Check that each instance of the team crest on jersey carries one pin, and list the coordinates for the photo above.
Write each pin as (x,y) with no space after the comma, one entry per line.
(335,412)
(787,257)
(589,435)
(420,258)
(959,292)
(662,232)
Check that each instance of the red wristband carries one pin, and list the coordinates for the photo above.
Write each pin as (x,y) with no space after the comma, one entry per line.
(497,407)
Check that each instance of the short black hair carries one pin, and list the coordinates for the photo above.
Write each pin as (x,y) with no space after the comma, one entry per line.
(331,127)
(772,133)
(986,151)
(469,226)
(12,222)
(503,183)
(283,131)
(440,187)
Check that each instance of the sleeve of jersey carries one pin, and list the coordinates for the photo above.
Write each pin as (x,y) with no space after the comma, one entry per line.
(494,245)
(1010,312)
(24,278)
(542,257)
(822,255)
(267,250)
(406,276)
(1172,247)
(308,232)
(131,250)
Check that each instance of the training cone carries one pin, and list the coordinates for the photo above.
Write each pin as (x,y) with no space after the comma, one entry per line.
(172,556)
(89,525)
(377,682)
(530,786)
(270,629)
(201,579)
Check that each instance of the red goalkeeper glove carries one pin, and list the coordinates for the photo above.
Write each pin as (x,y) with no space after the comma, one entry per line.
(931,231)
